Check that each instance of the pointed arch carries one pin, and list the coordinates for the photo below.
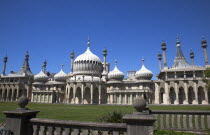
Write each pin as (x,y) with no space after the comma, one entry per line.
(87,96)
(191,95)
(78,96)
(181,94)
(201,95)
(95,96)
(162,92)
(172,95)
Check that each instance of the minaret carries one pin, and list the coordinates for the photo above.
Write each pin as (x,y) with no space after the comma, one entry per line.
(192,57)
(26,64)
(164,54)
(44,66)
(105,54)
(72,61)
(204,46)
(160,60)
(5,63)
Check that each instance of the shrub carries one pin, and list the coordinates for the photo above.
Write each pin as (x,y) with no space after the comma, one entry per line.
(112,117)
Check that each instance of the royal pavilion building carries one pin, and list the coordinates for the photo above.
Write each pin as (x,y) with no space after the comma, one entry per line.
(90,81)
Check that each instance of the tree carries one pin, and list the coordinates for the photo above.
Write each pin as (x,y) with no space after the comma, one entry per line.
(207,78)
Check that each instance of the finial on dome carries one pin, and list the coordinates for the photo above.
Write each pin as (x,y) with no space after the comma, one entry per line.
(177,40)
(88,43)
(115,62)
(62,66)
(42,68)
(142,61)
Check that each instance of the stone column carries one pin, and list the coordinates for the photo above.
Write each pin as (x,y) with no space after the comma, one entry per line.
(111,98)
(82,92)
(186,93)
(157,94)
(74,92)
(177,93)
(32,97)
(126,98)
(17,96)
(195,88)
(120,98)
(12,96)
(206,96)
(166,100)
(69,94)
(131,98)
(99,91)
(91,93)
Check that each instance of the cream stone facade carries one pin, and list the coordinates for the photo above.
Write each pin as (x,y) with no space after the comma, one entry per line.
(90,81)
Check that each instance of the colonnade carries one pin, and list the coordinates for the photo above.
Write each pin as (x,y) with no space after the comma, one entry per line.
(126,98)
(184,94)
(83,94)
(10,94)
(42,97)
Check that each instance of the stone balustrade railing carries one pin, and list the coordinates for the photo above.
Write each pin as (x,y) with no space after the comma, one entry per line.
(182,120)
(64,127)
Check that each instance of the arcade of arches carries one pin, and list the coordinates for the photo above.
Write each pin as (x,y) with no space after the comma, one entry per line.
(181,94)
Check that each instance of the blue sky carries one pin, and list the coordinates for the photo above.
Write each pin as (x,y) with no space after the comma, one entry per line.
(128,29)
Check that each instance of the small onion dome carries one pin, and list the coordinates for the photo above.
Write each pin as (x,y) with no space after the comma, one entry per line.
(41,77)
(116,74)
(143,73)
(61,76)
(88,64)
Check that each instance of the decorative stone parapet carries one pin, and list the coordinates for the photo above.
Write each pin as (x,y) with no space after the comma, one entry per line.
(17,121)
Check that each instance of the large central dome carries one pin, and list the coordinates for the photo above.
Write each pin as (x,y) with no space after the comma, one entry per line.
(87,64)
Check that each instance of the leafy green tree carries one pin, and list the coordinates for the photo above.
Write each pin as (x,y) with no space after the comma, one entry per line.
(207,78)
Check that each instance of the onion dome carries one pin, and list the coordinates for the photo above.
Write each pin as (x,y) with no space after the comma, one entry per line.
(116,74)
(41,77)
(88,64)
(61,76)
(143,73)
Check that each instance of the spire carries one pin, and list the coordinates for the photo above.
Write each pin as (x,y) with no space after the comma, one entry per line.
(25,69)
(179,53)
(179,61)
(88,43)
(44,66)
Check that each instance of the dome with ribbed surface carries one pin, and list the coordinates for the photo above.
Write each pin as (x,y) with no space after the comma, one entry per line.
(61,76)
(41,77)
(115,74)
(143,73)
(87,64)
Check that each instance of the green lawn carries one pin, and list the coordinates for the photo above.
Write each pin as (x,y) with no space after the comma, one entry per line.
(83,112)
